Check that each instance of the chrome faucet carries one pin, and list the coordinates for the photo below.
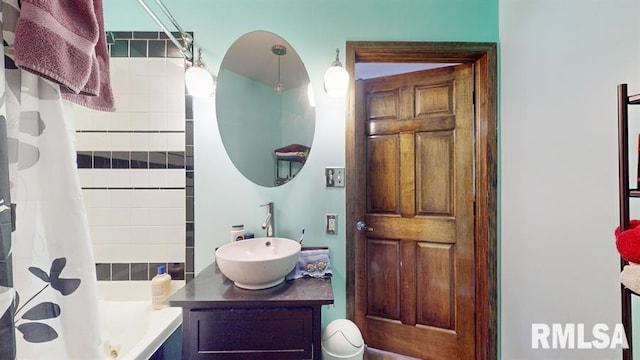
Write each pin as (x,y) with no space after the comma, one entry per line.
(268,222)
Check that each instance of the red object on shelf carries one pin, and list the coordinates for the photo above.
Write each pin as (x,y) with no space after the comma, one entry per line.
(628,242)
(292,148)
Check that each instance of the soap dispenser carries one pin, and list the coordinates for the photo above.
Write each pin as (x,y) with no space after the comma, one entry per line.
(160,287)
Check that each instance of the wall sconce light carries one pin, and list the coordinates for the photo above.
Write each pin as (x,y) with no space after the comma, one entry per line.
(336,78)
(279,50)
(198,80)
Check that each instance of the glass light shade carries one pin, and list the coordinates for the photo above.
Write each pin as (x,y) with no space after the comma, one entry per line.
(278,88)
(336,81)
(199,82)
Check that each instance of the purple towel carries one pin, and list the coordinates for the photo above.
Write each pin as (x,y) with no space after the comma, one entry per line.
(64,41)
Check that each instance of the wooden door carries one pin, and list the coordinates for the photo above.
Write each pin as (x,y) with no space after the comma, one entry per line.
(414,281)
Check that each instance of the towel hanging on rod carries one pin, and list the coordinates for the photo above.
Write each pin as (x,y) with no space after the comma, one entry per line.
(65,43)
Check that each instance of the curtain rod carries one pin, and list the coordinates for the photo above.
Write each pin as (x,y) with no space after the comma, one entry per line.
(188,39)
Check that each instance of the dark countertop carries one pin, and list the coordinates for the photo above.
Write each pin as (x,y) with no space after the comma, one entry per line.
(211,289)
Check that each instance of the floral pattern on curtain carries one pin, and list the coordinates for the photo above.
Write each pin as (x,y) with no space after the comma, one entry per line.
(48,287)
(7,336)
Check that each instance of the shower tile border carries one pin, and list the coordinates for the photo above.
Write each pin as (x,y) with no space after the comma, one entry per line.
(131,159)
(142,44)
(138,271)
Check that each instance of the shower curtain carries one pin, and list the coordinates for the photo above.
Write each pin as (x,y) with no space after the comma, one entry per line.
(54,312)
(7,340)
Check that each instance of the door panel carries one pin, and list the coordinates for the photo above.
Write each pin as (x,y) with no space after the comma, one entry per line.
(414,271)
(437,229)
(379,127)
(383,190)
(434,176)
(435,280)
(383,297)
(434,99)
(384,105)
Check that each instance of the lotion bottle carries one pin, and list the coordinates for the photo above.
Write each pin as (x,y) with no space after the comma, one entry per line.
(160,287)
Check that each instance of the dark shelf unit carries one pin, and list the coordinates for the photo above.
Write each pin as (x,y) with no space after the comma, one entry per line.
(287,159)
(624,101)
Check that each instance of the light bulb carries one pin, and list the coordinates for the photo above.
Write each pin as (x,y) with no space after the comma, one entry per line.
(336,81)
(278,88)
(199,82)
(336,78)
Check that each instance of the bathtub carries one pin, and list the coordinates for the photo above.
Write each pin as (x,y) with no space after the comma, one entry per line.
(131,328)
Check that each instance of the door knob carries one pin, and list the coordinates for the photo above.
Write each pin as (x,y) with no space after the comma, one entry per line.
(362,227)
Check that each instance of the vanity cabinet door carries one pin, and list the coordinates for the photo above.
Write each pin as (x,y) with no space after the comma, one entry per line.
(251,333)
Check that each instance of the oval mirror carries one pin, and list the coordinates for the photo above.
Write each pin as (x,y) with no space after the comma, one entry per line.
(263,107)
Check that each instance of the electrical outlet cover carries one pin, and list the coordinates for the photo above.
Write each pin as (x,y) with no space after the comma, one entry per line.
(332,224)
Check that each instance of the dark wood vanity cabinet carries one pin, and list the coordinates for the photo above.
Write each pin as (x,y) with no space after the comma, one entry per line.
(285,333)
(222,321)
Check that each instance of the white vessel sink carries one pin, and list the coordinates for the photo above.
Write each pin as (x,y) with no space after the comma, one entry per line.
(258,263)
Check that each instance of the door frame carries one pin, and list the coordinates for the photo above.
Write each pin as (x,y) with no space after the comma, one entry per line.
(484,57)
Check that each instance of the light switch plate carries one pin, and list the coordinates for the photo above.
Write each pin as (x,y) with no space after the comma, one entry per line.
(332,224)
(334,176)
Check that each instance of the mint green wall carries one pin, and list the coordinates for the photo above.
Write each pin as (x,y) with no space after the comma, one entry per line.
(252,126)
(298,118)
(257,121)
(315,29)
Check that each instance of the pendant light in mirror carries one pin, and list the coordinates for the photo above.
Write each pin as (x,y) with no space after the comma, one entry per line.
(279,50)
(336,78)
(198,80)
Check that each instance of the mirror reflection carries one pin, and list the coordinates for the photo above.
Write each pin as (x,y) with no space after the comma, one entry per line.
(264,109)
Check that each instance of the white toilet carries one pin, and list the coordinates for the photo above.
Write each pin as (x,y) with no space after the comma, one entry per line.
(341,340)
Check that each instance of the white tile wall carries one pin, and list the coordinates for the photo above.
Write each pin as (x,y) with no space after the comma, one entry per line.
(140,178)
(158,141)
(131,141)
(175,141)
(132,224)
(126,235)
(175,121)
(131,253)
(175,178)
(100,198)
(130,290)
